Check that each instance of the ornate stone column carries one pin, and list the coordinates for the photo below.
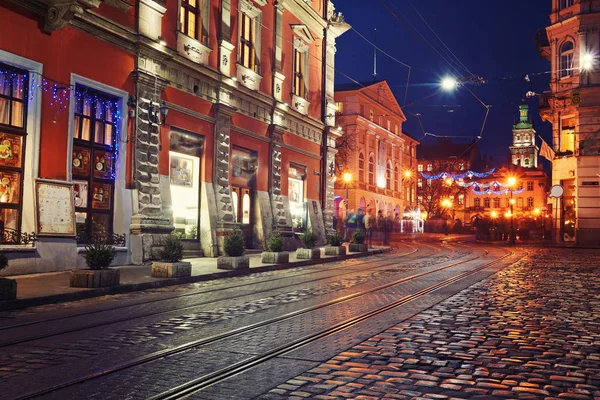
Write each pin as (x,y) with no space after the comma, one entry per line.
(224,203)
(280,219)
(149,225)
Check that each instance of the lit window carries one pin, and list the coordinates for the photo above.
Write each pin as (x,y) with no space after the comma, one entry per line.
(13,131)
(461,199)
(420,200)
(429,167)
(300,68)
(419,167)
(420,183)
(93,161)
(389,124)
(339,107)
(530,202)
(371,170)
(566,60)
(361,167)
(371,115)
(190,21)
(247,42)
(567,134)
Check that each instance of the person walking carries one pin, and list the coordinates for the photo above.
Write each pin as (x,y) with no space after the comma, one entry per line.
(368,222)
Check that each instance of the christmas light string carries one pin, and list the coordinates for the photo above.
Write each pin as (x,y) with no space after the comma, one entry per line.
(496,192)
(467,174)
(62,94)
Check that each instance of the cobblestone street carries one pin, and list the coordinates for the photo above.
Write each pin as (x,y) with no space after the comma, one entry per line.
(532,331)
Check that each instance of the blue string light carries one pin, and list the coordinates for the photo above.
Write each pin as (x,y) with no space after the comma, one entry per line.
(496,192)
(467,174)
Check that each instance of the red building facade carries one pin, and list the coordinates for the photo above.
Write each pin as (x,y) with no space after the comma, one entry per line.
(188,116)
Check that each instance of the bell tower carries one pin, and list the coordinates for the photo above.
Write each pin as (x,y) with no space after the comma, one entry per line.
(524,150)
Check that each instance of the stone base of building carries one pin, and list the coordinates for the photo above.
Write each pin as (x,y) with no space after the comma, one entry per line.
(588,237)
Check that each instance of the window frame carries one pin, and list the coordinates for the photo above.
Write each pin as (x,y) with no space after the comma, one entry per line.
(248,42)
(361,167)
(22,132)
(566,60)
(300,69)
(371,169)
(184,10)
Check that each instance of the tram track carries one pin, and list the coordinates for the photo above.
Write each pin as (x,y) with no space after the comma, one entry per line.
(223,374)
(202,303)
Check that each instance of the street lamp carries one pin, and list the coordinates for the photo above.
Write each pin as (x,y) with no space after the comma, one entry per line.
(511,183)
(347,179)
(449,83)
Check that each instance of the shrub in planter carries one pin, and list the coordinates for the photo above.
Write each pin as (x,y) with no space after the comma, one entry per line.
(335,247)
(357,245)
(234,248)
(171,265)
(275,255)
(309,241)
(98,257)
(8,287)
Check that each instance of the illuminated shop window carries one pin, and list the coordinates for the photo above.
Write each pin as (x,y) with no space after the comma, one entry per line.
(296,195)
(96,122)
(13,131)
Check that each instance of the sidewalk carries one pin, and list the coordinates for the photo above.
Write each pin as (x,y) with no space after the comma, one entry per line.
(53,287)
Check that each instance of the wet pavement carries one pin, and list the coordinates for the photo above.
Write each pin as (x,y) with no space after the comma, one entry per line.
(532,331)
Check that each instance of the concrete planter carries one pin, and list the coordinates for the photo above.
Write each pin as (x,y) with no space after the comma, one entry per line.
(358,248)
(90,278)
(8,289)
(241,262)
(308,254)
(280,257)
(335,250)
(171,270)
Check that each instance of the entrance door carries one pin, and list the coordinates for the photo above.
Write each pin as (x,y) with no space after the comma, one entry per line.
(184,159)
(243,207)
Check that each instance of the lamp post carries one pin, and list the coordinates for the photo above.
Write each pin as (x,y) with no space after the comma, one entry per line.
(347,179)
(511,183)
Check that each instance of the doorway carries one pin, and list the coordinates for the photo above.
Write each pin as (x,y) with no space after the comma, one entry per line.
(243,189)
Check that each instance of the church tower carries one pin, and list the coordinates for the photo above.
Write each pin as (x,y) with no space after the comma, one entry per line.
(524,151)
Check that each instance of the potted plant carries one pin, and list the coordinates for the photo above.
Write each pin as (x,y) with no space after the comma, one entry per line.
(8,287)
(308,251)
(335,247)
(170,265)
(98,257)
(357,245)
(275,255)
(234,249)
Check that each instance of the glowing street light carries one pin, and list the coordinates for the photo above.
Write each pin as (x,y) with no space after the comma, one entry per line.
(494,214)
(449,83)
(587,61)
(407,174)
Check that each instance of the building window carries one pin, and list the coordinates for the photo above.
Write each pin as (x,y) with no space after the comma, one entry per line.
(429,167)
(339,107)
(247,42)
(419,182)
(371,115)
(300,68)
(190,20)
(496,202)
(486,202)
(461,199)
(567,134)
(396,178)
(296,195)
(388,176)
(371,170)
(526,162)
(420,200)
(389,125)
(396,130)
(529,186)
(93,161)
(566,59)
(361,167)
(520,202)
(477,203)
(419,167)
(565,3)
(429,182)
(13,131)
(530,202)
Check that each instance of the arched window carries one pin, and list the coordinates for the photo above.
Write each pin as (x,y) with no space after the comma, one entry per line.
(566,59)
(496,202)
(388,176)
(361,167)
(396,178)
(486,202)
(371,170)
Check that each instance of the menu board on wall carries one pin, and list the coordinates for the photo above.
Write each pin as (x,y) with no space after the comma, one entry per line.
(55,212)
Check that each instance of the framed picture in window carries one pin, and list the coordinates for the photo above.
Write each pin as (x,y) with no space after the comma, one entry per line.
(182,170)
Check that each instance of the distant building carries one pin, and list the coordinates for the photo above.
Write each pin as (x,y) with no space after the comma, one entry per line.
(524,151)
(571,45)
(377,154)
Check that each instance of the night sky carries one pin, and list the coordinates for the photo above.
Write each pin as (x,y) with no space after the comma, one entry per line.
(493,39)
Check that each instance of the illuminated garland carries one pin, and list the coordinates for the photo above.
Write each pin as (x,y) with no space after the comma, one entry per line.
(494,184)
(496,192)
(467,174)
(62,94)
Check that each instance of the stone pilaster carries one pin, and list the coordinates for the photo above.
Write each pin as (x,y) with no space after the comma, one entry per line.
(279,213)
(149,225)
(224,203)
(225,45)
(329,194)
